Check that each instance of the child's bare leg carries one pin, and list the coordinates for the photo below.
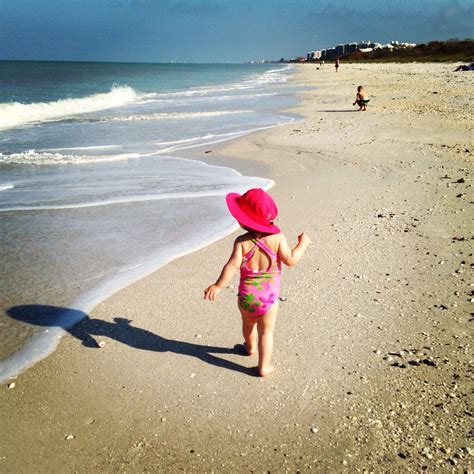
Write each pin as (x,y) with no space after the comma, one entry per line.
(265,329)
(249,331)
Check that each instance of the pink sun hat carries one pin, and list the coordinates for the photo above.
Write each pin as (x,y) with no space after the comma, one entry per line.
(254,209)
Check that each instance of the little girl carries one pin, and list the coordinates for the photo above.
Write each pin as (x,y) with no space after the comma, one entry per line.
(258,254)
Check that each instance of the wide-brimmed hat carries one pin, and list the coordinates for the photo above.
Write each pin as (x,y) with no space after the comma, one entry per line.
(254,209)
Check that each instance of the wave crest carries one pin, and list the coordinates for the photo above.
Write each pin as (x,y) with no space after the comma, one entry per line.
(15,114)
(4,187)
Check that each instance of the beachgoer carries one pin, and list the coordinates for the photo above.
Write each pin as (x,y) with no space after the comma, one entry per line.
(464,67)
(258,254)
(361,99)
(337,63)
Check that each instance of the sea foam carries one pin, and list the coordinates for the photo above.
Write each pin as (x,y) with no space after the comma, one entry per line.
(177,115)
(31,157)
(15,114)
(124,200)
(4,187)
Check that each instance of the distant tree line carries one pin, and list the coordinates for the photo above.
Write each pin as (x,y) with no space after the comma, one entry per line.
(452,50)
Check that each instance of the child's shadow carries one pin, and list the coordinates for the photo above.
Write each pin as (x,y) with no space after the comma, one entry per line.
(84,328)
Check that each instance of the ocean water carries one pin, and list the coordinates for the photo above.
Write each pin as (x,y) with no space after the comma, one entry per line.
(94,193)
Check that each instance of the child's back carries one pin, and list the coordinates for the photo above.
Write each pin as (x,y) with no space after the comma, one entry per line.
(260,260)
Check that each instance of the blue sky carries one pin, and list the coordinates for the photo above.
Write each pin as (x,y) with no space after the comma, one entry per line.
(216,30)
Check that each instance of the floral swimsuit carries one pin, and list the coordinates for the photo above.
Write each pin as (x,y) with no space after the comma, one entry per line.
(259,289)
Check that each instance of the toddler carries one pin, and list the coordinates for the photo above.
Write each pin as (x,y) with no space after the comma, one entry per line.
(258,254)
(361,99)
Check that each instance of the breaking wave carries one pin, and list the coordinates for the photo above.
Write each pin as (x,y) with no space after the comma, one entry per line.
(4,187)
(15,114)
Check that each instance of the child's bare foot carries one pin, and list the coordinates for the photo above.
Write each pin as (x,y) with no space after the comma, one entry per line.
(250,351)
(263,372)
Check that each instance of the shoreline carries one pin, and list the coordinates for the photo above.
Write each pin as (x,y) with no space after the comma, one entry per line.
(168,391)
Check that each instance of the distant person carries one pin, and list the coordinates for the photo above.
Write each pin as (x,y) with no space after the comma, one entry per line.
(321,62)
(465,67)
(258,254)
(361,99)
(337,63)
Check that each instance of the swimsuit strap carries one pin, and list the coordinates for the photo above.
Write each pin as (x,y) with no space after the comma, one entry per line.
(258,243)
(251,252)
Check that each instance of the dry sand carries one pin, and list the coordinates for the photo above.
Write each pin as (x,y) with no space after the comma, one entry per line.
(372,351)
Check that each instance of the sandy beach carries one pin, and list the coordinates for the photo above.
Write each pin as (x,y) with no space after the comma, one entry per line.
(372,347)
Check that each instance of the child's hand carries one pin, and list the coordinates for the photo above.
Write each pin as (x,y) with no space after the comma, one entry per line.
(303,239)
(211,292)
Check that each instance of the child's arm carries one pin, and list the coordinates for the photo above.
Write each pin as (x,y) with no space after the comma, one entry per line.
(233,264)
(289,256)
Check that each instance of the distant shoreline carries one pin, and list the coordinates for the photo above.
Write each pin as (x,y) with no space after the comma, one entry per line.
(432,52)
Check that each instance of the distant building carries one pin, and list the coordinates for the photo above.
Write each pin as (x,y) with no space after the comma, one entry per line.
(329,54)
(340,50)
(352,47)
(313,55)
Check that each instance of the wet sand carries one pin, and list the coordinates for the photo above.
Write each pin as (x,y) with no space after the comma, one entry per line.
(372,349)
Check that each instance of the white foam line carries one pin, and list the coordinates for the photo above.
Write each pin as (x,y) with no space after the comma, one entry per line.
(194,99)
(186,140)
(173,116)
(98,147)
(32,157)
(227,136)
(110,202)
